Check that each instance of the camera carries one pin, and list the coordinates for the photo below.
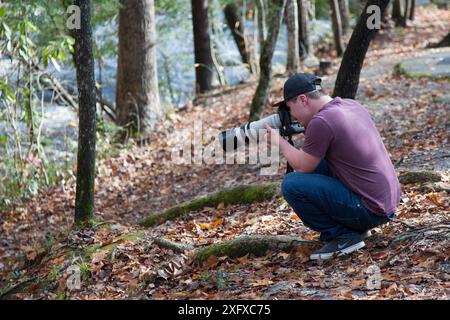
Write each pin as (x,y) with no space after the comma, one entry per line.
(231,139)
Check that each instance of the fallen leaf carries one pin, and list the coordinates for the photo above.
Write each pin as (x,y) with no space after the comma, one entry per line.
(261,282)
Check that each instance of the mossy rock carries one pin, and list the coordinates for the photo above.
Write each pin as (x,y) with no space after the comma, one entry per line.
(435,65)
(240,194)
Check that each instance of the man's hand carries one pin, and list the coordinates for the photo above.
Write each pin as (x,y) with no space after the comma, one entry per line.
(272,134)
(298,159)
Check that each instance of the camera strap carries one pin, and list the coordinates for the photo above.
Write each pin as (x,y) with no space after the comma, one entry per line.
(288,166)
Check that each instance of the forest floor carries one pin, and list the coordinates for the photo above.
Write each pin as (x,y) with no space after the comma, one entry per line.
(120,260)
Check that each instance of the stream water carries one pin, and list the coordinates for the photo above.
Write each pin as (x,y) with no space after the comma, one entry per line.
(175,58)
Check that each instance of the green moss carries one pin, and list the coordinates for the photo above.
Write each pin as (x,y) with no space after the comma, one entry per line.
(132,236)
(400,69)
(411,177)
(233,249)
(54,273)
(256,245)
(85,270)
(205,277)
(110,247)
(61,295)
(91,249)
(236,195)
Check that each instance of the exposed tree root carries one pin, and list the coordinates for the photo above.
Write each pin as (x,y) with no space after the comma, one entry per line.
(239,194)
(409,177)
(415,234)
(257,245)
(17,287)
(177,247)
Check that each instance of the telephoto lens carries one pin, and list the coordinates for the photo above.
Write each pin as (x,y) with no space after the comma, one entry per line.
(233,138)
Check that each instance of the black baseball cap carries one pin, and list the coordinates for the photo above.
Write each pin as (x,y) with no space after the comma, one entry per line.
(298,84)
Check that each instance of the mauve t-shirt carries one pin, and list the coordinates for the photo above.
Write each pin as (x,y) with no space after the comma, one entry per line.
(343,133)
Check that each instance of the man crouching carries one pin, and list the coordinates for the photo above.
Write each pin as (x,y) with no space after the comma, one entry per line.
(344,183)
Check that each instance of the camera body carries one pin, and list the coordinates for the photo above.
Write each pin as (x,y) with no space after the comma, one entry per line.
(231,139)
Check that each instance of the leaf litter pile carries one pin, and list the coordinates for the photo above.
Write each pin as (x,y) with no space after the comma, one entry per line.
(404,259)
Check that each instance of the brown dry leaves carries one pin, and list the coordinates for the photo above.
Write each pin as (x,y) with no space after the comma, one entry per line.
(141,180)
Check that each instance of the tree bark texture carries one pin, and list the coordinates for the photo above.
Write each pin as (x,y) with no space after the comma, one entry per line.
(204,64)
(347,80)
(293,56)
(84,200)
(274,15)
(337,27)
(138,106)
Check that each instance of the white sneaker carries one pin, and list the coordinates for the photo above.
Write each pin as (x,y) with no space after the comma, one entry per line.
(366,234)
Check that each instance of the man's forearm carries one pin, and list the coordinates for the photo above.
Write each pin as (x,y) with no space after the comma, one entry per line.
(299,160)
(291,154)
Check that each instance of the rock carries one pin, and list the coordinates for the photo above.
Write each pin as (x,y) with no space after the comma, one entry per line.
(274,289)
(443,99)
(434,65)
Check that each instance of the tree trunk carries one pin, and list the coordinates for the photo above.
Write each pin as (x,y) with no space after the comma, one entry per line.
(202,46)
(304,41)
(397,12)
(84,201)
(262,26)
(137,99)
(406,14)
(413,9)
(337,27)
(275,15)
(345,15)
(293,56)
(347,80)
(236,26)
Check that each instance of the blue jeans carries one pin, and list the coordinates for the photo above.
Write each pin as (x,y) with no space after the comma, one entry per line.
(326,205)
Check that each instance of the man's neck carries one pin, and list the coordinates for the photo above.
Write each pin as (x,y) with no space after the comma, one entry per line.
(322,101)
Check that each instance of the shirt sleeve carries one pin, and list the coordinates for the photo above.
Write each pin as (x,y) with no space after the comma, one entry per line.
(318,137)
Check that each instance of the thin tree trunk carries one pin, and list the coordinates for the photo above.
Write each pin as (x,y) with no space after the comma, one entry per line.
(413,9)
(347,80)
(262,27)
(293,57)
(138,106)
(337,27)
(275,15)
(312,10)
(236,26)
(406,14)
(204,65)
(256,35)
(397,12)
(345,15)
(304,41)
(84,201)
